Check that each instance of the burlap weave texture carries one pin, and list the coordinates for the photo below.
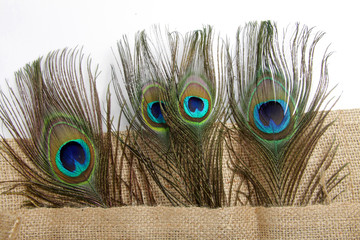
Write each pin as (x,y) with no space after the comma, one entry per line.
(339,220)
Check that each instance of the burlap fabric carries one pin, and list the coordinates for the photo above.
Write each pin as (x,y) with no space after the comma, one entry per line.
(338,220)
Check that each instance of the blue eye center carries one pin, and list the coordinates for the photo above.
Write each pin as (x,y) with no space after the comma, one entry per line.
(196,103)
(196,107)
(271,110)
(272,116)
(70,153)
(73,158)
(154,111)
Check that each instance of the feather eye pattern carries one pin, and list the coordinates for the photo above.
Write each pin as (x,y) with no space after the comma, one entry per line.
(152,109)
(196,100)
(173,109)
(57,124)
(276,121)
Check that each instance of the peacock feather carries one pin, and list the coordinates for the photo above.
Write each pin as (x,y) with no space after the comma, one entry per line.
(55,118)
(276,119)
(171,89)
(174,111)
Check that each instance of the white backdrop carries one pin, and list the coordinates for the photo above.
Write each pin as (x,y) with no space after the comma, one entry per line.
(30,29)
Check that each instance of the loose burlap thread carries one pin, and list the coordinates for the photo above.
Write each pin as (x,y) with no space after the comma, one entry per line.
(338,220)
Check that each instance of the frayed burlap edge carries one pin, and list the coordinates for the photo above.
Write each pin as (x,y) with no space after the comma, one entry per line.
(335,221)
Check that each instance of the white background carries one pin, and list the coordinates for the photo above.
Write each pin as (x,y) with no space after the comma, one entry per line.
(30,29)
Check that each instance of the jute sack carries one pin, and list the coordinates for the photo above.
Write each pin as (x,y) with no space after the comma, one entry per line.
(337,220)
